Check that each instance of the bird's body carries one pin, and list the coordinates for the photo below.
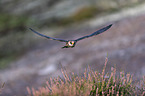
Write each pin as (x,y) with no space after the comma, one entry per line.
(72,43)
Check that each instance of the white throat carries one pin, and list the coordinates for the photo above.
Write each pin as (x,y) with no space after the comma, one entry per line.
(71,43)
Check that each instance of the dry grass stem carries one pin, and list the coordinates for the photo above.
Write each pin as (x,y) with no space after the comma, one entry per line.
(92,83)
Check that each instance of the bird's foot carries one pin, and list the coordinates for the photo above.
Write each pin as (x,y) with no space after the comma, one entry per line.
(64,47)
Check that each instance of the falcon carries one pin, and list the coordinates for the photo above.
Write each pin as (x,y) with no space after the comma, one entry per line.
(72,43)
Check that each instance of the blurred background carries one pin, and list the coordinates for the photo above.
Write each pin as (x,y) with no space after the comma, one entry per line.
(27,59)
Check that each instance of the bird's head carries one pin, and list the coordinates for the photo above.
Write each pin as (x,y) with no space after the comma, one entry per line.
(71,43)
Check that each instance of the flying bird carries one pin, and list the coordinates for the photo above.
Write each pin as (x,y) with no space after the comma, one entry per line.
(72,43)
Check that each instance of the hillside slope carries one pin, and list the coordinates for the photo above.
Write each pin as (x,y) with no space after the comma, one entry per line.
(124,44)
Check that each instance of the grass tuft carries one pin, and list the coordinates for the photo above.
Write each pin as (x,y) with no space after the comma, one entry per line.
(91,84)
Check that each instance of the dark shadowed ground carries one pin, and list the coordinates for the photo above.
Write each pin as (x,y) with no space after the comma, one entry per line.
(124,43)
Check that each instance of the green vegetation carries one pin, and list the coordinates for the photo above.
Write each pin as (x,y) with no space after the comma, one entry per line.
(4,62)
(12,46)
(1,87)
(12,37)
(12,22)
(82,14)
(92,83)
(88,12)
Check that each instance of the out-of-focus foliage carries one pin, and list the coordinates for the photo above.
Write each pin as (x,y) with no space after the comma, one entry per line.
(80,15)
(17,15)
(85,13)
(11,37)
(11,23)
(1,87)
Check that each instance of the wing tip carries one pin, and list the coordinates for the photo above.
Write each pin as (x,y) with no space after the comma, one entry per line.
(110,25)
(33,30)
(107,27)
(30,28)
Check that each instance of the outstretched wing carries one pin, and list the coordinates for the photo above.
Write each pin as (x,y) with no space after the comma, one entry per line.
(95,33)
(48,36)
